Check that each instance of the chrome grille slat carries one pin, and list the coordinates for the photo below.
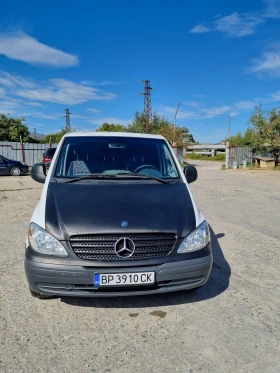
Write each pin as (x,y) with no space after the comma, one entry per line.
(102,246)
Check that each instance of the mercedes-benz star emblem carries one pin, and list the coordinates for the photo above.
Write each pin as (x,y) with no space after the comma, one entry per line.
(124,247)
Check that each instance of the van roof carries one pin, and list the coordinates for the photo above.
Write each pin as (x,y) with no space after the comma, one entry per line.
(118,134)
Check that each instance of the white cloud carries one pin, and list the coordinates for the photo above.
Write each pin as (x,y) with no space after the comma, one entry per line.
(63,91)
(9,80)
(59,91)
(192,103)
(243,105)
(217,110)
(241,24)
(38,114)
(2,92)
(234,113)
(22,47)
(268,64)
(272,8)
(200,29)
(92,110)
(32,103)
(273,97)
(77,116)
(108,82)
(110,120)
(238,24)
(199,95)
(232,25)
(8,106)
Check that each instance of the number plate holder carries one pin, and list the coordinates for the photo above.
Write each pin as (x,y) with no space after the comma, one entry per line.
(124,279)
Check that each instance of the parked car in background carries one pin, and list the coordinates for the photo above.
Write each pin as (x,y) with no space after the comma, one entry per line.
(48,156)
(14,168)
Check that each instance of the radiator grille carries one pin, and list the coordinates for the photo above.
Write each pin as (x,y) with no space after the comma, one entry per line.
(102,246)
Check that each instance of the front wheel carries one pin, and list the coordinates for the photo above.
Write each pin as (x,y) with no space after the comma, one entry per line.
(39,295)
(15,171)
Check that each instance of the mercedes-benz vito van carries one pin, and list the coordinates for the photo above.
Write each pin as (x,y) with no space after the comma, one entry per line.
(116,217)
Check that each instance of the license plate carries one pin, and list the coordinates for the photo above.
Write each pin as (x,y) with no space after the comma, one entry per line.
(105,279)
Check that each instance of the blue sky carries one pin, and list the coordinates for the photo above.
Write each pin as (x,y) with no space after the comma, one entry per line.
(215,57)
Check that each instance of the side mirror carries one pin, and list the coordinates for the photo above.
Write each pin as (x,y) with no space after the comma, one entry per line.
(190,173)
(38,172)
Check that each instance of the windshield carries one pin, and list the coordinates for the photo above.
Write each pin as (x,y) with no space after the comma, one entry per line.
(110,155)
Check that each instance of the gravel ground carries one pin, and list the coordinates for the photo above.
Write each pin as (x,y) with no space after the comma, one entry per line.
(229,325)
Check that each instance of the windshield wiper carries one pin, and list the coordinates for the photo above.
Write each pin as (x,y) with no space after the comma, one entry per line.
(142,175)
(89,176)
(104,176)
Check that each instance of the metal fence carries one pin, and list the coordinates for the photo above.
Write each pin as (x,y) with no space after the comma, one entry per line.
(239,154)
(28,153)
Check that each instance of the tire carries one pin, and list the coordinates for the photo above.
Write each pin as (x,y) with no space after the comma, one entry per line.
(39,295)
(15,171)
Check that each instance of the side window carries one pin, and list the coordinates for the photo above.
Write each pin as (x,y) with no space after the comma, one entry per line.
(169,163)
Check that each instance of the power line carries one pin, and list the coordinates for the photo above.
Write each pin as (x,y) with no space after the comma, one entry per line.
(203,73)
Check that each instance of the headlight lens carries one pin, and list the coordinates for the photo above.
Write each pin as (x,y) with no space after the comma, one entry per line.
(196,240)
(43,242)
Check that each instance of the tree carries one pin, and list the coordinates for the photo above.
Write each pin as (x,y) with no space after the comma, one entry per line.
(13,129)
(106,127)
(54,138)
(160,125)
(266,130)
(138,124)
(242,139)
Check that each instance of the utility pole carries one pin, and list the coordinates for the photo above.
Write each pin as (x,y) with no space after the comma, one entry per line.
(35,133)
(174,136)
(147,104)
(67,117)
(228,127)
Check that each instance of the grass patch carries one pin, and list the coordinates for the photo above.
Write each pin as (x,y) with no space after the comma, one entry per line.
(218,157)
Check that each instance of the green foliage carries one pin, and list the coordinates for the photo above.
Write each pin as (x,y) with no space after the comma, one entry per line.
(218,157)
(240,139)
(266,129)
(106,127)
(13,129)
(157,125)
(138,124)
(161,126)
(31,140)
(54,138)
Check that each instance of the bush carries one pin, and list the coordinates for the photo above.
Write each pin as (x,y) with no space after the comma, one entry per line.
(194,156)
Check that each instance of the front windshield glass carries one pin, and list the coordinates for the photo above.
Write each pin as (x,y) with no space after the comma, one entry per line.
(110,155)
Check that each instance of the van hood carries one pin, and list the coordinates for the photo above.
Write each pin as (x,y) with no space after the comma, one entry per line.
(90,207)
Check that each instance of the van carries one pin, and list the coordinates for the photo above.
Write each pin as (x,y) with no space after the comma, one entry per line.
(116,217)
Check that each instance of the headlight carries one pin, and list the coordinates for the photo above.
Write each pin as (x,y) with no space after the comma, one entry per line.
(196,240)
(43,242)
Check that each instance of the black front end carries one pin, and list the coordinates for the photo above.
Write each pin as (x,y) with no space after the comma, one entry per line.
(118,231)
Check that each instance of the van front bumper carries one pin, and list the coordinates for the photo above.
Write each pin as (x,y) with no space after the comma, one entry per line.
(72,280)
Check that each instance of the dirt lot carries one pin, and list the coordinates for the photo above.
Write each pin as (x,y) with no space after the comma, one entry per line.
(229,325)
